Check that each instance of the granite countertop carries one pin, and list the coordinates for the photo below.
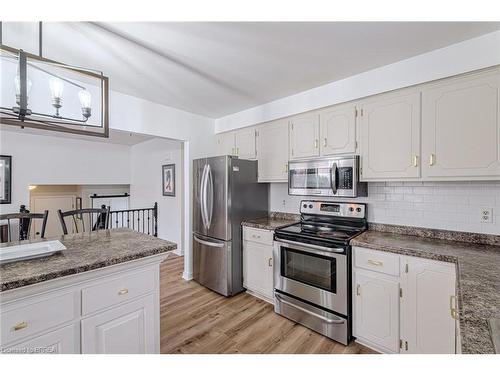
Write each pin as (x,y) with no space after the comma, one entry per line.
(273,221)
(478,280)
(85,252)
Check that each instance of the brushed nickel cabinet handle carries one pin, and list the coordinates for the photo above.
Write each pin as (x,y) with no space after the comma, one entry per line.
(432,159)
(325,142)
(123,292)
(270,262)
(358,292)
(375,262)
(453,307)
(20,326)
(415,161)
(286,167)
(315,143)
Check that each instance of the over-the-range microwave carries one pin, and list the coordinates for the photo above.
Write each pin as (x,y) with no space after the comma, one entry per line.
(332,177)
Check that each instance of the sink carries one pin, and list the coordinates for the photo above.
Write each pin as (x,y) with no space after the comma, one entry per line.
(29,251)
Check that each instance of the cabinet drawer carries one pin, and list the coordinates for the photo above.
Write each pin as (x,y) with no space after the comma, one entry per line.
(43,313)
(377,261)
(262,236)
(117,290)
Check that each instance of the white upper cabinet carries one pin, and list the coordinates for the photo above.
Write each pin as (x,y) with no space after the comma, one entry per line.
(225,144)
(241,143)
(304,136)
(390,136)
(461,127)
(272,150)
(338,130)
(244,143)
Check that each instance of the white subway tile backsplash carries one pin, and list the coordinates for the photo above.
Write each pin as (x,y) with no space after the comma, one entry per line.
(442,205)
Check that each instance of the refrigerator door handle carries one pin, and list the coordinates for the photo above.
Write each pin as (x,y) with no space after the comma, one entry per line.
(202,196)
(209,202)
(208,243)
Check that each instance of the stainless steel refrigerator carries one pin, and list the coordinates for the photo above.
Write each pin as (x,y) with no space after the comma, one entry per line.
(226,192)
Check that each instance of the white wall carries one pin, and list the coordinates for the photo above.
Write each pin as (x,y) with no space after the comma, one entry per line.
(146,184)
(48,160)
(440,205)
(472,54)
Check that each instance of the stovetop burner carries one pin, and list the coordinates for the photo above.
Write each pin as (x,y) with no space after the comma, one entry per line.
(338,227)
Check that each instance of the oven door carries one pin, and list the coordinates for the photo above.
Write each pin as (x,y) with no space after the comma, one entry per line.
(312,273)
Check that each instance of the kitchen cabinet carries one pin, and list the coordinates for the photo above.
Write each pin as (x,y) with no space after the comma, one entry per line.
(461,127)
(338,130)
(258,262)
(389,126)
(241,143)
(428,319)
(404,304)
(272,151)
(225,144)
(113,309)
(376,310)
(127,329)
(60,341)
(304,136)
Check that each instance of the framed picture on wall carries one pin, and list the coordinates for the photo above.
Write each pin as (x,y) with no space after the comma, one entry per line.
(168,179)
(5,179)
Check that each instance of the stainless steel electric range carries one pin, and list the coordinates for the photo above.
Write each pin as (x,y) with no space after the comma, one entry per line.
(312,267)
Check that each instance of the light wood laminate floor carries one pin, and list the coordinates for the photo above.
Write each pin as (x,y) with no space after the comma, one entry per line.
(197,320)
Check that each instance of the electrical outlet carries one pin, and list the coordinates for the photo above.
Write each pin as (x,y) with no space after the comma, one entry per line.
(486,215)
(284,203)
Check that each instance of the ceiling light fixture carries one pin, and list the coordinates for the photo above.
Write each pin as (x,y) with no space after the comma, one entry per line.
(74,114)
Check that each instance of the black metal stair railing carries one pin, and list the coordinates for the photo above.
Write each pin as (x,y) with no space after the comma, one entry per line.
(144,220)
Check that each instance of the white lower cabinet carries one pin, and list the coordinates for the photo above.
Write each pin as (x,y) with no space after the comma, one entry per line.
(411,311)
(128,329)
(60,341)
(258,262)
(376,310)
(111,310)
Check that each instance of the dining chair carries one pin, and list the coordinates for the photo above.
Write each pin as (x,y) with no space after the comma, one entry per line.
(101,215)
(21,216)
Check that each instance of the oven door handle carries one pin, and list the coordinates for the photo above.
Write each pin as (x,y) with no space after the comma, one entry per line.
(306,247)
(326,320)
(333,178)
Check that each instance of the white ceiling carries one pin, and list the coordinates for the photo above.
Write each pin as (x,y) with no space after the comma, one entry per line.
(215,69)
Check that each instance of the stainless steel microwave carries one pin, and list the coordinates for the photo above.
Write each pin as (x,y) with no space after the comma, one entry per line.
(333,177)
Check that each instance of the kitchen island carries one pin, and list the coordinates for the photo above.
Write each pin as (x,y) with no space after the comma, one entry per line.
(100,295)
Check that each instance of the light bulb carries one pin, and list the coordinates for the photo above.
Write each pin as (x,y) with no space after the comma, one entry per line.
(56,88)
(85,101)
(17,82)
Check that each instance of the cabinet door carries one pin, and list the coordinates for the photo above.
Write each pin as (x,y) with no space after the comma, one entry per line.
(61,341)
(461,127)
(244,142)
(127,329)
(376,310)
(338,130)
(428,322)
(225,144)
(390,137)
(272,150)
(258,268)
(304,136)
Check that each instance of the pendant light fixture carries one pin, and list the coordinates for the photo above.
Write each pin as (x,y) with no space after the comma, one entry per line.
(50,95)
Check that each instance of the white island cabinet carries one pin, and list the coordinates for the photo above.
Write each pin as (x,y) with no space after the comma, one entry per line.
(114,309)
(404,304)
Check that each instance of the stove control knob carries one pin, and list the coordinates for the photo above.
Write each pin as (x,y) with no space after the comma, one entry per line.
(358,209)
(310,206)
(351,209)
(304,205)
